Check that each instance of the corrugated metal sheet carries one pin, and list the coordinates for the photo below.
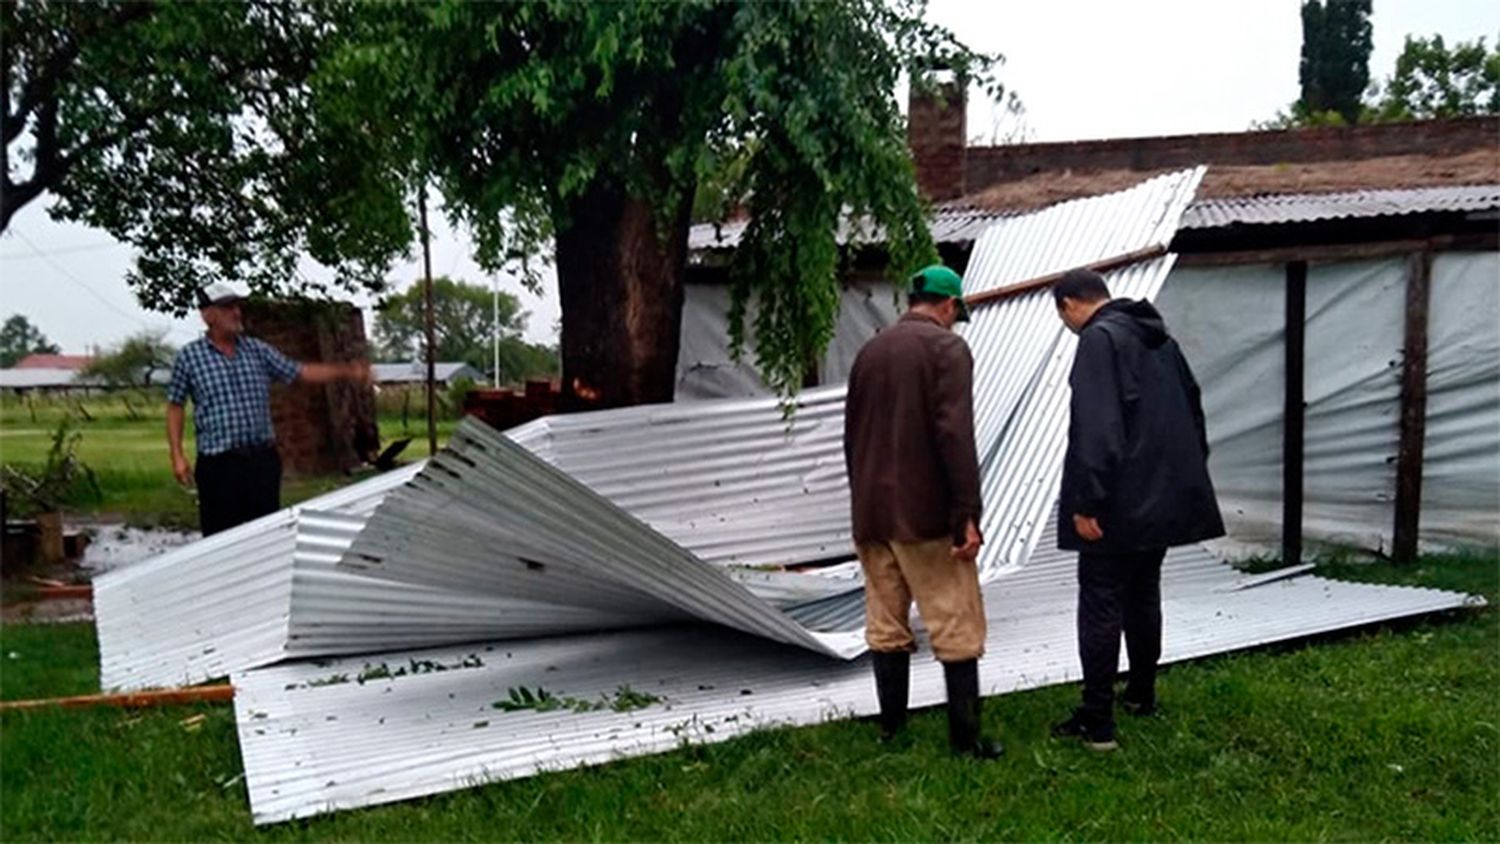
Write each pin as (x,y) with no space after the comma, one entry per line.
(490,517)
(345,734)
(1308,207)
(734,481)
(217,605)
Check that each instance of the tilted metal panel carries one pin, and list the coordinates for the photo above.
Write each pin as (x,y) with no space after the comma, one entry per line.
(317,738)
(734,482)
(1023,470)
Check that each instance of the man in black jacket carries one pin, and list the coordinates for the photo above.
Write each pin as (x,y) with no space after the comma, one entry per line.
(1135,482)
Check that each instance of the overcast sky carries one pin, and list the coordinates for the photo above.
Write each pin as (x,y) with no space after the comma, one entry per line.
(1083,68)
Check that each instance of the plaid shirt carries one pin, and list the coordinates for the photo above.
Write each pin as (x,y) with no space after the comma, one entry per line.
(231,394)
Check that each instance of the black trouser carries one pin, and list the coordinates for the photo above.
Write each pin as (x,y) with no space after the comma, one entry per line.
(1118,593)
(237,486)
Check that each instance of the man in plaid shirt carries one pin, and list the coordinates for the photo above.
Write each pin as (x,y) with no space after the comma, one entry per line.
(228,378)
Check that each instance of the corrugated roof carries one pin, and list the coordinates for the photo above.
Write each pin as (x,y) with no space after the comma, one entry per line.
(952,224)
(47,361)
(1309,207)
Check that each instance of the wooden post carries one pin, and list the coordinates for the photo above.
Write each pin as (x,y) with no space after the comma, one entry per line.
(1413,408)
(1293,413)
(430,345)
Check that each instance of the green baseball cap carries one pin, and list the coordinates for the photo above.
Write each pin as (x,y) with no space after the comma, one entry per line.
(941,281)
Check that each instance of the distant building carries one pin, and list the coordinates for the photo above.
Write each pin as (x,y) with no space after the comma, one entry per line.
(413,372)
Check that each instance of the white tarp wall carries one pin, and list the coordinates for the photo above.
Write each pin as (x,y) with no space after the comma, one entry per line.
(704,368)
(1230,322)
(1461,459)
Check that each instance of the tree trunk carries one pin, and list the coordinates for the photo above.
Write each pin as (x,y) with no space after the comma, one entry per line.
(621,292)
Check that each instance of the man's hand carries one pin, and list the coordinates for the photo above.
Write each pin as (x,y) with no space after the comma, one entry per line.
(182,469)
(1088,528)
(360,372)
(969,551)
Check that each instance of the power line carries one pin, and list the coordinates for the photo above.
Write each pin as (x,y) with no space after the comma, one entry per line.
(63,271)
(65,250)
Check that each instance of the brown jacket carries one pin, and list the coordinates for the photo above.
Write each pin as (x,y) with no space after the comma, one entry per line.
(909,435)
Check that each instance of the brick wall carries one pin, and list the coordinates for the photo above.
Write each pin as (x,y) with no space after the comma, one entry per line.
(989,165)
(320,429)
(936,132)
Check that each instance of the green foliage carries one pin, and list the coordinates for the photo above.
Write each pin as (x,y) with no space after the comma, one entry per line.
(624,699)
(188,131)
(1336,45)
(134,362)
(19,338)
(45,488)
(1433,81)
(457,389)
(522,110)
(463,323)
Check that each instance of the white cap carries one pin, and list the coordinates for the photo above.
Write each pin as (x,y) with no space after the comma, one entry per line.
(220,293)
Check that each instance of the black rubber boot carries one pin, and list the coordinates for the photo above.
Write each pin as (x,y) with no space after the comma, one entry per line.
(892,687)
(964,710)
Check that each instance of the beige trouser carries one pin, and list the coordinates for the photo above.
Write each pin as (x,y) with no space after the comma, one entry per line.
(947,594)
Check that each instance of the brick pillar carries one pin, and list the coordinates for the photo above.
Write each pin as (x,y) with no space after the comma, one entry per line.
(936,131)
(327,428)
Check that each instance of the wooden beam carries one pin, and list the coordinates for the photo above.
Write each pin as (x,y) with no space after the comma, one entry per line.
(1294,413)
(1413,408)
(1341,251)
(1103,266)
(130,700)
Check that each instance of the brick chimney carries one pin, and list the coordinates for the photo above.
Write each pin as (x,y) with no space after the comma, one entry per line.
(936,131)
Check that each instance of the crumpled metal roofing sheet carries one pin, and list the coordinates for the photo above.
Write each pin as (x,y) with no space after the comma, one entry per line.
(742,485)
(214,606)
(1310,207)
(488,516)
(364,731)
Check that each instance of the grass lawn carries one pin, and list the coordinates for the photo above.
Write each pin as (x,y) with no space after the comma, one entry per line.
(1389,733)
(126,446)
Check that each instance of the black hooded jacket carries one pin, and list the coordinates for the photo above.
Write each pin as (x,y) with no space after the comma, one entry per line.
(1137,447)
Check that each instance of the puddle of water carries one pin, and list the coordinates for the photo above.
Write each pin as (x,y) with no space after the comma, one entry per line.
(115,546)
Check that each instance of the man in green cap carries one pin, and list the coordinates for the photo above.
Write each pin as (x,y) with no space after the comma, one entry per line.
(914,484)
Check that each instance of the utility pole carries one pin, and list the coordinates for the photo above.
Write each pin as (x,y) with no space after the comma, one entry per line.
(431,344)
(495,328)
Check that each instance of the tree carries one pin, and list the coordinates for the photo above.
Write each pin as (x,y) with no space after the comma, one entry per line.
(134,362)
(1335,69)
(187,130)
(1432,81)
(19,338)
(463,320)
(588,126)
